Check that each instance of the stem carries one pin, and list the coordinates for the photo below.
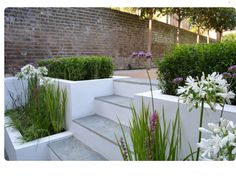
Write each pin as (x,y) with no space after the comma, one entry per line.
(150,89)
(222,110)
(200,125)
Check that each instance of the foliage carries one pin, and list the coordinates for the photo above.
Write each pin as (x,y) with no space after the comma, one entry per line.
(192,60)
(199,17)
(223,19)
(79,68)
(152,139)
(44,111)
(229,38)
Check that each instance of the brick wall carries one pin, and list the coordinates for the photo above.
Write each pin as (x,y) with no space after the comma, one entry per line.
(38,33)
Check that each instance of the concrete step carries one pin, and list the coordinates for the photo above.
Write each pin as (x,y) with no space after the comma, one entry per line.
(99,133)
(72,149)
(115,108)
(128,87)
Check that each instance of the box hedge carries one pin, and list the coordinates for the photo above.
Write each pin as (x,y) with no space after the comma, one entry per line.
(192,60)
(79,68)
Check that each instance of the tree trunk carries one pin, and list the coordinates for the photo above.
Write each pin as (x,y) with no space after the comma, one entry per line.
(208,36)
(149,44)
(178,31)
(220,36)
(198,35)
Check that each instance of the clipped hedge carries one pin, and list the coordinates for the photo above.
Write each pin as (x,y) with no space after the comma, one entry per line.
(79,68)
(192,60)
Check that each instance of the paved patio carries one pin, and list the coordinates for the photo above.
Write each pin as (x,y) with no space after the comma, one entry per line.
(139,73)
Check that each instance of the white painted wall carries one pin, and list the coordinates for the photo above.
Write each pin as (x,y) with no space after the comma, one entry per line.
(16,88)
(81,95)
(130,89)
(16,149)
(189,120)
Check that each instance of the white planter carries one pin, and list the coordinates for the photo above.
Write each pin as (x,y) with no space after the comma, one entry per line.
(81,94)
(189,120)
(16,90)
(33,150)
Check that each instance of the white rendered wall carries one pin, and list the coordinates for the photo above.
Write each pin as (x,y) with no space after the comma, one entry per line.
(16,149)
(15,88)
(189,120)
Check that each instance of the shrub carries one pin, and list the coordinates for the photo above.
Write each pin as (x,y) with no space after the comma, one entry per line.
(79,68)
(229,38)
(192,60)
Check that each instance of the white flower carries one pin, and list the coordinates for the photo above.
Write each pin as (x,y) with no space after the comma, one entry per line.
(234,151)
(43,71)
(203,130)
(181,90)
(28,71)
(222,143)
(211,89)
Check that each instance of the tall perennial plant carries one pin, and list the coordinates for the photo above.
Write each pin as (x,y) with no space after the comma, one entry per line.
(44,111)
(152,137)
(210,89)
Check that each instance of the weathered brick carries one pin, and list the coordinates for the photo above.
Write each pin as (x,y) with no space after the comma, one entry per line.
(32,34)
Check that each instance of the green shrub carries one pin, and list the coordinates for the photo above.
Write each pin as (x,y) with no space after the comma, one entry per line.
(79,68)
(192,60)
(229,38)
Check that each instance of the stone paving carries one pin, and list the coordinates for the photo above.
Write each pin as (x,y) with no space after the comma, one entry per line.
(139,73)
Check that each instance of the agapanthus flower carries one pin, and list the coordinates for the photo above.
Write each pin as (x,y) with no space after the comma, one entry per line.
(212,89)
(29,71)
(234,75)
(134,54)
(177,80)
(227,75)
(222,142)
(148,55)
(232,68)
(141,54)
(42,71)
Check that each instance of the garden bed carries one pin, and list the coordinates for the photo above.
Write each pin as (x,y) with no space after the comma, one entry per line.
(189,120)
(32,150)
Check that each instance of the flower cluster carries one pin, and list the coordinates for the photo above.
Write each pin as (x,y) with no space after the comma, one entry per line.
(222,144)
(212,89)
(153,121)
(231,73)
(141,54)
(29,71)
(177,80)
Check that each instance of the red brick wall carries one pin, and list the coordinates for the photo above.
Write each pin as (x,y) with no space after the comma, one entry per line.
(32,34)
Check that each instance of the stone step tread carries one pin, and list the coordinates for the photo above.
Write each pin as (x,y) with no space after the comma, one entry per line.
(137,81)
(72,149)
(122,101)
(105,128)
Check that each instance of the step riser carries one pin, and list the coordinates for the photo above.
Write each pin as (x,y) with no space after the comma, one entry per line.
(53,156)
(130,89)
(104,147)
(113,112)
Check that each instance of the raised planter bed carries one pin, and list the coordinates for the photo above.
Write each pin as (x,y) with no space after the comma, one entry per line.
(189,120)
(33,150)
(80,102)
